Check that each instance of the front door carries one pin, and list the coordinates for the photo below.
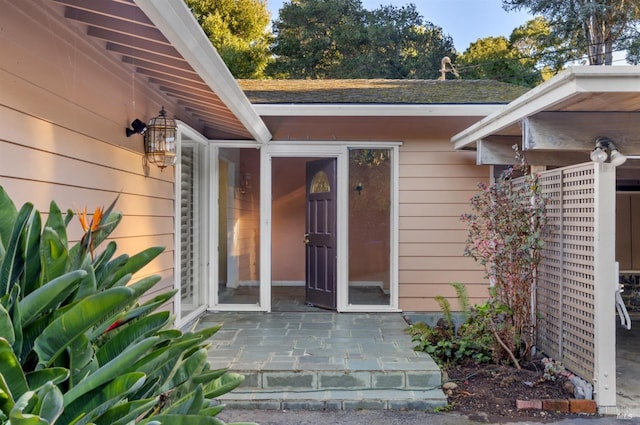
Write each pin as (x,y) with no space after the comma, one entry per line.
(320,236)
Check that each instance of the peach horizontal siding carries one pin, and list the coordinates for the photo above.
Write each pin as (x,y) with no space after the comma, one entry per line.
(436,185)
(64,105)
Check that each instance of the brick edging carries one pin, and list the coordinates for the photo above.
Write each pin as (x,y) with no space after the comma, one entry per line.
(571,405)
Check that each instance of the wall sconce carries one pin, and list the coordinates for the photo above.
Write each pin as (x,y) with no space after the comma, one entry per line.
(160,140)
(605,149)
(137,127)
(359,188)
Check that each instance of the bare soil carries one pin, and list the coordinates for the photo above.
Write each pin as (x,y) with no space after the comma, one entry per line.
(489,392)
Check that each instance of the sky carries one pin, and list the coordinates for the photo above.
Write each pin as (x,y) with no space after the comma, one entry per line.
(464,20)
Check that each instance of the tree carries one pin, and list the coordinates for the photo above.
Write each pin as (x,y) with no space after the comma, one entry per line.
(591,27)
(495,58)
(238,30)
(340,39)
(529,56)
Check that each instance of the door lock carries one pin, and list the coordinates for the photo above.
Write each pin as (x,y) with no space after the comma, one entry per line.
(306,239)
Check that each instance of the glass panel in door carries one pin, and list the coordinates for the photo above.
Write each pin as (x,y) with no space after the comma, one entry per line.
(239,226)
(369,226)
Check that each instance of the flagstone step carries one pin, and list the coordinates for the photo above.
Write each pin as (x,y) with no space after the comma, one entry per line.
(335,399)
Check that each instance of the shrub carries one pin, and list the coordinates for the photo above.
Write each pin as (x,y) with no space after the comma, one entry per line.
(506,230)
(78,344)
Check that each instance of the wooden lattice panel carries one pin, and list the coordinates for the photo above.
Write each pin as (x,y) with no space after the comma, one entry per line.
(565,288)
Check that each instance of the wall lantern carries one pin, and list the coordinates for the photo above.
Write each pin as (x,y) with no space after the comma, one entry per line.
(160,140)
(605,149)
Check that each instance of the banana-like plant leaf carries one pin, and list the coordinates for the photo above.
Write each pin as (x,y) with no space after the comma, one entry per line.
(223,385)
(131,332)
(6,325)
(49,296)
(53,254)
(182,420)
(56,222)
(30,251)
(209,376)
(82,316)
(38,378)
(126,413)
(88,285)
(95,403)
(18,416)
(119,365)
(191,366)
(106,272)
(213,410)
(81,359)
(7,218)
(190,404)
(12,264)
(138,261)
(6,401)
(49,405)
(11,369)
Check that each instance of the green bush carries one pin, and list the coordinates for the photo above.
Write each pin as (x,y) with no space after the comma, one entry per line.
(79,344)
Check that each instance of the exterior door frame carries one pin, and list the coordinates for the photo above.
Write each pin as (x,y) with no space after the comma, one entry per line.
(340,151)
(320,149)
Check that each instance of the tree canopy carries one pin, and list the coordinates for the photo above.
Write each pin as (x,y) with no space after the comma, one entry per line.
(595,28)
(529,56)
(238,30)
(341,39)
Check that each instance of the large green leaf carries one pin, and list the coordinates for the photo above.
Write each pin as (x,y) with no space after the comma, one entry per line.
(11,369)
(119,365)
(21,413)
(191,366)
(130,333)
(126,413)
(190,404)
(38,378)
(6,401)
(53,254)
(7,218)
(56,222)
(81,359)
(6,325)
(182,420)
(223,385)
(49,296)
(12,263)
(78,319)
(49,405)
(30,251)
(95,403)
(138,261)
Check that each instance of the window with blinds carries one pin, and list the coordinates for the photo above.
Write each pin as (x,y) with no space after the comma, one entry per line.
(189,220)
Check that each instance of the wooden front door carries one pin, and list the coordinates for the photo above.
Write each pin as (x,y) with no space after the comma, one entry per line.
(320,237)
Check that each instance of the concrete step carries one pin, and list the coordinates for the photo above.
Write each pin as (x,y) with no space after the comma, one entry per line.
(371,399)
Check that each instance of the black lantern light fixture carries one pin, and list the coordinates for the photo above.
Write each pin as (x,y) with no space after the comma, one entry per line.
(160,140)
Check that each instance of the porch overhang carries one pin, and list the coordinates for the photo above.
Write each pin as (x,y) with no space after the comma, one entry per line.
(558,122)
(162,42)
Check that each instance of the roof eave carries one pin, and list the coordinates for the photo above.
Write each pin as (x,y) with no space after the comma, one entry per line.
(177,24)
(564,85)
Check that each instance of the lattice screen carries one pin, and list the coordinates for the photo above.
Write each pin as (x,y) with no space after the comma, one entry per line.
(565,291)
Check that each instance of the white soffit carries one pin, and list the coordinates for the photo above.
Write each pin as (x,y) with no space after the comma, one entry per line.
(580,88)
(364,110)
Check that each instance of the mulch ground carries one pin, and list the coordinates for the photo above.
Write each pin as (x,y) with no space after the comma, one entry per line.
(489,392)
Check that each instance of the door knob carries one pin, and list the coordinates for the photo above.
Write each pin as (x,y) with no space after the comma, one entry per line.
(306,239)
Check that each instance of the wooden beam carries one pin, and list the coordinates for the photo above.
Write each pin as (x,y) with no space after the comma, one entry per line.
(498,150)
(577,131)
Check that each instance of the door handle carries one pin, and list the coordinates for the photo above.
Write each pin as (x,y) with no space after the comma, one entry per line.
(306,239)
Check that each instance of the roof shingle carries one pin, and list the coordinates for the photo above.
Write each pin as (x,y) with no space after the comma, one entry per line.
(380,91)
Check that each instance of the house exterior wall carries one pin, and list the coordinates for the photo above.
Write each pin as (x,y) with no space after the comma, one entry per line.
(64,105)
(436,185)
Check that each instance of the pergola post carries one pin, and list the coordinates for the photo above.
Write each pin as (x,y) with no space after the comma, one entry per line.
(605,286)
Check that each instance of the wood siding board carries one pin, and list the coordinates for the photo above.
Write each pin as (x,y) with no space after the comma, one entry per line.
(414,170)
(435,196)
(437,263)
(431,249)
(437,183)
(435,158)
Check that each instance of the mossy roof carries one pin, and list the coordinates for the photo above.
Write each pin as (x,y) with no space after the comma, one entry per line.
(404,92)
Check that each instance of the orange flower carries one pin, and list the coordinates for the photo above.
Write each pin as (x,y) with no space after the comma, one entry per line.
(95,220)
